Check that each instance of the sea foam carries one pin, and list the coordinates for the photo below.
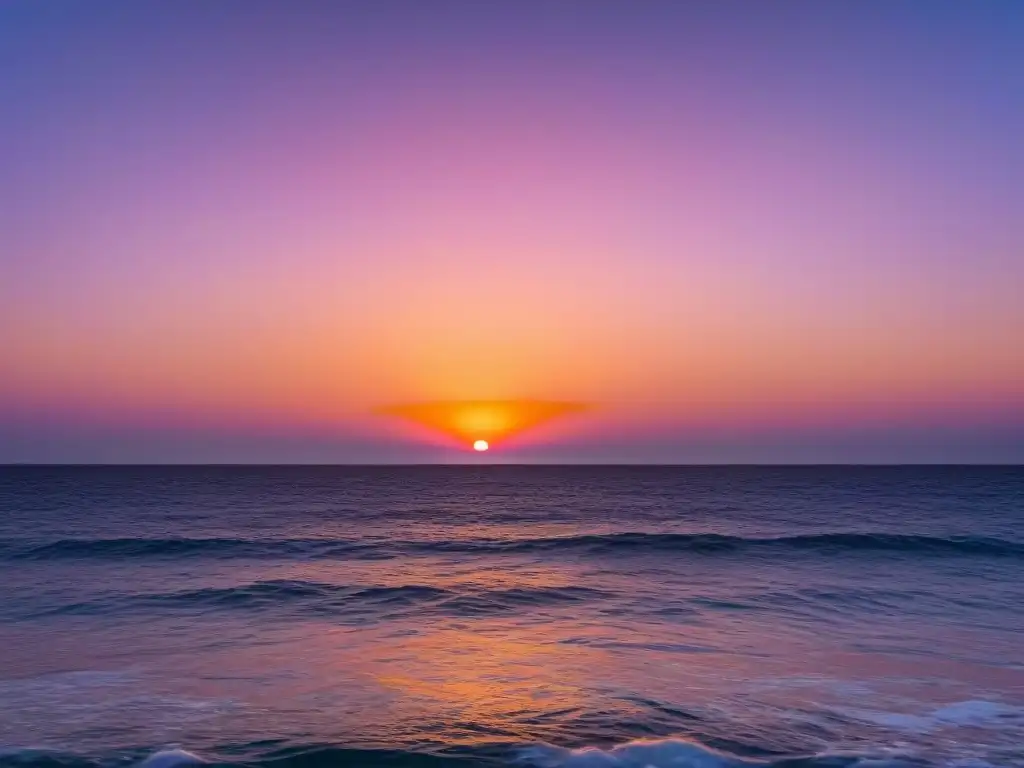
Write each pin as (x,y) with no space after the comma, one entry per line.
(665,753)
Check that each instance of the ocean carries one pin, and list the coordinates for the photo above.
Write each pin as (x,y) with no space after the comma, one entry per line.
(544,617)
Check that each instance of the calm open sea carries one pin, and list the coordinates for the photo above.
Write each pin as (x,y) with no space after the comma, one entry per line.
(544,616)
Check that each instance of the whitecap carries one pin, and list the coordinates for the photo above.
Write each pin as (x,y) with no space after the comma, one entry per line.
(681,753)
(975,712)
(666,753)
(171,758)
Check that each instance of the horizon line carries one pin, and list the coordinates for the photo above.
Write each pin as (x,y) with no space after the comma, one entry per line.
(359,465)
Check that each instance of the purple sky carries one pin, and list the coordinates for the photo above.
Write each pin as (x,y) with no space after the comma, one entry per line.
(741,231)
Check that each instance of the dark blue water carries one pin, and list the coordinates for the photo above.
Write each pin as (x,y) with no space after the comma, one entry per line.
(543,616)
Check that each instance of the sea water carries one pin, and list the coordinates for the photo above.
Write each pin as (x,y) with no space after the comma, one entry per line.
(554,617)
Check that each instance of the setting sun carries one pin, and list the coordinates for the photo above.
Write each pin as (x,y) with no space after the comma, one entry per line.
(481,423)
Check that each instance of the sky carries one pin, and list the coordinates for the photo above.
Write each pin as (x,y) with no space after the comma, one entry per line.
(773,232)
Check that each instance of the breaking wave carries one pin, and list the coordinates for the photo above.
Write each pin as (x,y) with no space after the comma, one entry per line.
(663,753)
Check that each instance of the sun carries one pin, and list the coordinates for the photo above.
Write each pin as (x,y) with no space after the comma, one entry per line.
(481,424)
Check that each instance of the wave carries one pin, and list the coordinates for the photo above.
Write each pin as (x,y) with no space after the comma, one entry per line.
(311,756)
(334,599)
(171,758)
(117,548)
(705,544)
(681,753)
(663,753)
(713,543)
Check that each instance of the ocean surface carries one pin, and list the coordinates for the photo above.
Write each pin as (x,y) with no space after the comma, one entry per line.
(577,617)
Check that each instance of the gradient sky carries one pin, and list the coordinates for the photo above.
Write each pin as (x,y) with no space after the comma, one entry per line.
(743,231)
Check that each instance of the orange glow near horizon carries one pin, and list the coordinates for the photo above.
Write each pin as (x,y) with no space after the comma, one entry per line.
(724,258)
(482,423)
